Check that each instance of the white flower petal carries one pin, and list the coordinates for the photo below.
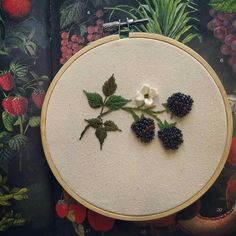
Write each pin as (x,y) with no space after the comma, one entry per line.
(148,102)
(153,93)
(145,89)
(139,98)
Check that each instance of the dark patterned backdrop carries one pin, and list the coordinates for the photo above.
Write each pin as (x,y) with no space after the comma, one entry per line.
(36,39)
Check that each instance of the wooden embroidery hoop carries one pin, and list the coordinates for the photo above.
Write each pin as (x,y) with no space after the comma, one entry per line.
(141,217)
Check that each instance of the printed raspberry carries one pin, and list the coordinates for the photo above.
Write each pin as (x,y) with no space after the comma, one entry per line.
(144,129)
(38,97)
(180,104)
(171,137)
(16,8)
(7,105)
(61,209)
(6,82)
(79,212)
(19,105)
(100,223)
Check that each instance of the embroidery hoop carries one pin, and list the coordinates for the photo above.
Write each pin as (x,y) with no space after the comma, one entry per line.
(137,217)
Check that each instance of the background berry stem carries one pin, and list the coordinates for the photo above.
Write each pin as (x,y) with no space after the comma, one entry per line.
(21,125)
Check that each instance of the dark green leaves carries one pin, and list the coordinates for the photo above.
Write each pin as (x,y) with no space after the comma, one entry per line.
(109,87)
(101,135)
(172,18)
(95,100)
(116,102)
(71,12)
(111,126)
(110,103)
(34,121)
(8,121)
(18,142)
(165,124)
(95,122)
(226,6)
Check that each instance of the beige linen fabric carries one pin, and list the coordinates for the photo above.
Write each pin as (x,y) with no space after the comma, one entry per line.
(128,177)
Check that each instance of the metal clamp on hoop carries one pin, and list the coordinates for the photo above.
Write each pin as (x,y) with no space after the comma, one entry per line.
(117,26)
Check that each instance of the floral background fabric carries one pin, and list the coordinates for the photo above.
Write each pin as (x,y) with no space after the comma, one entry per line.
(36,39)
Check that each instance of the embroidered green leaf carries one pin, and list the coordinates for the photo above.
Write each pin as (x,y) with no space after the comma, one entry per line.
(95,122)
(95,100)
(116,102)
(109,86)
(135,117)
(8,121)
(111,126)
(101,134)
(34,121)
(226,6)
(18,142)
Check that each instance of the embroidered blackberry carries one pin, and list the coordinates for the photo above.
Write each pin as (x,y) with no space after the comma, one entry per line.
(180,104)
(144,129)
(171,137)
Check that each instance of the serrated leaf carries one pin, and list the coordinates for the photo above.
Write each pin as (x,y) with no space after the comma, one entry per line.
(4,136)
(19,69)
(111,126)
(31,48)
(18,142)
(101,134)
(44,78)
(94,99)
(71,13)
(34,121)
(95,123)
(8,121)
(226,6)
(116,102)
(109,86)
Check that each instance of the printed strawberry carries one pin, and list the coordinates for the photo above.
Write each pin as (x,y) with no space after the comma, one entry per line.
(232,154)
(19,105)
(100,223)
(7,105)
(6,81)
(16,8)
(79,212)
(38,97)
(61,209)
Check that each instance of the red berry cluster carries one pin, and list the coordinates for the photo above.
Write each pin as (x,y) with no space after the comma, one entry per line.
(72,44)
(6,81)
(223,26)
(15,105)
(77,213)
(16,9)
(18,105)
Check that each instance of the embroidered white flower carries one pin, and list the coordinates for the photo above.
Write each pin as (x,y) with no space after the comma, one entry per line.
(146,96)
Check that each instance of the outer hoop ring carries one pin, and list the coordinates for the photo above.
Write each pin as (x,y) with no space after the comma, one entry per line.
(135,217)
